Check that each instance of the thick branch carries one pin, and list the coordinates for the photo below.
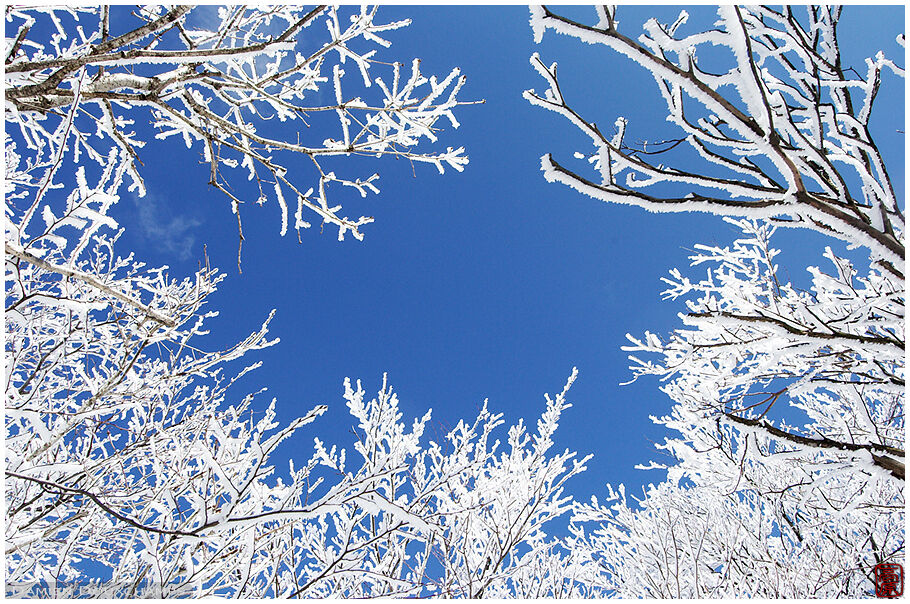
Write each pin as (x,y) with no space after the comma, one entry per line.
(821,213)
(806,333)
(894,466)
(173,56)
(72,65)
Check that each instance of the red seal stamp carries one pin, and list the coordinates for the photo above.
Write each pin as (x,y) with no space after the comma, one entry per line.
(889,580)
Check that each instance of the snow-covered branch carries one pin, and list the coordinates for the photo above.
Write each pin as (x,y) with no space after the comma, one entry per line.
(241,85)
(785,123)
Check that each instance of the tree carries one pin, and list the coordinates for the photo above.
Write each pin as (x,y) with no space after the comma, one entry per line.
(762,500)
(217,77)
(752,506)
(132,468)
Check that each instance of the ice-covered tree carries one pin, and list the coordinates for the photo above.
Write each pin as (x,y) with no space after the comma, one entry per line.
(789,399)
(133,467)
(127,450)
(798,506)
(242,86)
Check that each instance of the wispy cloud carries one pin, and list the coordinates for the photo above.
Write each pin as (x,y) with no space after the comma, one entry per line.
(173,234)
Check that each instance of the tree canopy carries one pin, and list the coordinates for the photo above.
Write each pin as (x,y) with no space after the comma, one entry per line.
(135,468)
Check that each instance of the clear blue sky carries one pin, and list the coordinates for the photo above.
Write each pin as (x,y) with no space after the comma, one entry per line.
(489,283)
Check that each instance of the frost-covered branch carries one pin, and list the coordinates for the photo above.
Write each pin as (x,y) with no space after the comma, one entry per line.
(781,124)
(893,466)
(241,85)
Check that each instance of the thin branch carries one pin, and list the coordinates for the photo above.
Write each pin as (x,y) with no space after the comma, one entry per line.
(90,280)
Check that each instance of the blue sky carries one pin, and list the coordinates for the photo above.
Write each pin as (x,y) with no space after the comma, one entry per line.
(489,283)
